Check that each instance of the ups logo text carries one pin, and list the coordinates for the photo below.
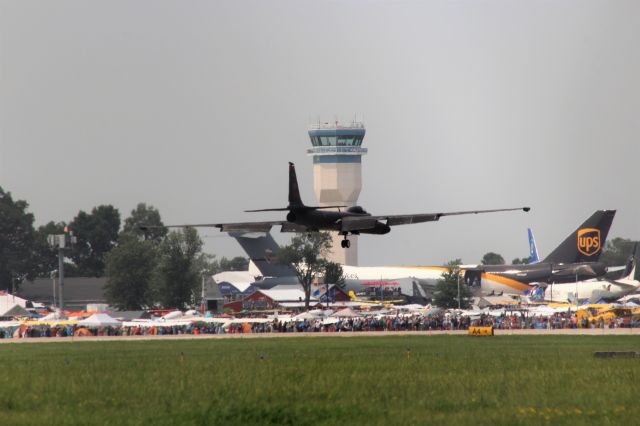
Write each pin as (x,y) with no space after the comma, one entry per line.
(589,241)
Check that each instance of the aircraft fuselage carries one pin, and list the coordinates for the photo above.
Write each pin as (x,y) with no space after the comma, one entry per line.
(328,220)
(547,272)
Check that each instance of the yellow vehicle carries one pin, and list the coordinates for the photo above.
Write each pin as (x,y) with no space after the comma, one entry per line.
(385,303)
(601,315)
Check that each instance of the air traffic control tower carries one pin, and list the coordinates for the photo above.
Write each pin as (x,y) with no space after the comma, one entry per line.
(337,174)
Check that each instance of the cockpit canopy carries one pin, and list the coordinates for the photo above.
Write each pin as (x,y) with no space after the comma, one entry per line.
(357,209)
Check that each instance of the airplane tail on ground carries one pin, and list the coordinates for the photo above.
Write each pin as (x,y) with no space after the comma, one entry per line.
(262,249)
(533,249)
(585,244)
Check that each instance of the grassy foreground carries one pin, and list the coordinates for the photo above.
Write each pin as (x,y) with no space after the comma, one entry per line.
(372,380)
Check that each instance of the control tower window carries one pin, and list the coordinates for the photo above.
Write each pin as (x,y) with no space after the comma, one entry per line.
(328,140)
(346,140)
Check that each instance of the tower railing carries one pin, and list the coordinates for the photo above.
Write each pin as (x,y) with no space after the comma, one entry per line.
(332,150)
(336,125)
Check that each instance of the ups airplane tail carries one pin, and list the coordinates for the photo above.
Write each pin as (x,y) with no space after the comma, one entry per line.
(586,243)
(295,202)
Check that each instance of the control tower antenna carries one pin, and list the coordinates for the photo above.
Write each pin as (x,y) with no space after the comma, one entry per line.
(337,154)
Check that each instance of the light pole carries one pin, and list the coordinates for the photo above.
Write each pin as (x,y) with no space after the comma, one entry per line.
(577,293)
(61,241)
(202,300)
(52,274)
(458,275)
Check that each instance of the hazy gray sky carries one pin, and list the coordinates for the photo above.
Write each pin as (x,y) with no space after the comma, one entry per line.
(195,107)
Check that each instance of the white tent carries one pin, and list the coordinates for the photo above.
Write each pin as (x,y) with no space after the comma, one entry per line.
(100,320)
(346,313)
(172,315)
(304,316)
(53,316)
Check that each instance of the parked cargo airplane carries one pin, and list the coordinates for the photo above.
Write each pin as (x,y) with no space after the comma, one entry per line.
(578,254)
(354,220)
(592,290)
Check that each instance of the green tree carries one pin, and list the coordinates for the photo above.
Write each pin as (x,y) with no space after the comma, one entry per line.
(492,258)
(178,274)
(446,292)
(97,234)
(523,261)
(305,255)
(146,216)
(129,268)
(617,251)
(238,263)
(46,255)
(207,264)
(333,274)
(18,261)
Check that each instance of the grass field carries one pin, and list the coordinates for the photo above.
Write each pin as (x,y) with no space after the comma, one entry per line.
(360,380)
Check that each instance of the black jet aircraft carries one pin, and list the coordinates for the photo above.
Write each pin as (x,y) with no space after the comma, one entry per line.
(346,220)
(575,259)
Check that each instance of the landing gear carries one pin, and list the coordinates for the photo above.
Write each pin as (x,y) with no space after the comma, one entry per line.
(345,243)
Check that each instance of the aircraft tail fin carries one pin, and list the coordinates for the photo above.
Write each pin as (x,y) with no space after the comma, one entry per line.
(294,191)
(585,244)
(533,249)
(262,249)
(295,202)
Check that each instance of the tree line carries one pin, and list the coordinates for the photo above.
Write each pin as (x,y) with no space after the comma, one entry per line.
(144,268)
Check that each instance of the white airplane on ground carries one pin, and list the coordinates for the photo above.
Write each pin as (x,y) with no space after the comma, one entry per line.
(592,290)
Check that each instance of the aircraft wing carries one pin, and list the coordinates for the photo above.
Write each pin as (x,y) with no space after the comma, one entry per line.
(407,219)
(241,226)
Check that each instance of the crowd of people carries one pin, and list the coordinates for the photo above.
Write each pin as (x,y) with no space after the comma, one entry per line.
(441,321)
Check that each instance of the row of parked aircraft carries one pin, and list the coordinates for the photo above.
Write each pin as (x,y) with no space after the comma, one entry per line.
(554,278)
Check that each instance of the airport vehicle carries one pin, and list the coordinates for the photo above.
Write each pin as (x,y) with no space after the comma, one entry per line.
(577,256)
(602,315)
(352,220)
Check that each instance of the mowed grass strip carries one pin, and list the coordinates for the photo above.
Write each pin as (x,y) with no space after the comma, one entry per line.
(362,380)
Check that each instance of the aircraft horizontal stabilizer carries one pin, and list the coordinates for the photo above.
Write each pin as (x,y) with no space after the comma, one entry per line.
(278,209)
(286,209)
